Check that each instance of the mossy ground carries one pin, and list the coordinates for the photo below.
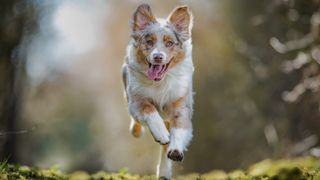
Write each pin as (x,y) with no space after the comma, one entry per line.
(295,169)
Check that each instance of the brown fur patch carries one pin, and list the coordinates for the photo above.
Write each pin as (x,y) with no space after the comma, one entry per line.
(176,121)
(178,103)
(177,58)
(167,38)
(140,56)
(143,49)
(146,107)
(136,129)
(151,37)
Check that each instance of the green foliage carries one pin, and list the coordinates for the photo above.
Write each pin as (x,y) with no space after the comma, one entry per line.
(24,172)
(296,169)
(3,165)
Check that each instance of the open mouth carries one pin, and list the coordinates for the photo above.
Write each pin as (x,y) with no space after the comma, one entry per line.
(157,71)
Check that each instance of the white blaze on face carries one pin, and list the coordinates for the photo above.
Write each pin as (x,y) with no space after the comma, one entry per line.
(157,51)
(157,70)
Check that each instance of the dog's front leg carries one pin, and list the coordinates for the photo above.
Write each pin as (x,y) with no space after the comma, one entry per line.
(145,112)
(180,132)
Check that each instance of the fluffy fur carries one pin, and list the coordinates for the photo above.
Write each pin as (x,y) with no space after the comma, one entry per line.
(157,76)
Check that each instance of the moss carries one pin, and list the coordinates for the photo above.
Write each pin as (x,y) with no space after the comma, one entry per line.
(306,168)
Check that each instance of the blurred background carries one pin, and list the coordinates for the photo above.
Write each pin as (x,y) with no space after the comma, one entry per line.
(61,99)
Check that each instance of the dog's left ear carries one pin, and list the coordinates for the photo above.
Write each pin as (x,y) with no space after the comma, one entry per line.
(182,20)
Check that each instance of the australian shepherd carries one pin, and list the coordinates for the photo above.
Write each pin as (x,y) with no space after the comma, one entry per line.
(157,76)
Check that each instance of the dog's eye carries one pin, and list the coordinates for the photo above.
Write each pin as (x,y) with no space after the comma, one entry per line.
(149,43)
(169,44)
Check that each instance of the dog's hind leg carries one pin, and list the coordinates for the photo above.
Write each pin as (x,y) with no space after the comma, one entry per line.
(136,129)
(164,166)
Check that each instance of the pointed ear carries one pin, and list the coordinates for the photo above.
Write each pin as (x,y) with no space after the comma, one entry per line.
(142,18)
(182,20)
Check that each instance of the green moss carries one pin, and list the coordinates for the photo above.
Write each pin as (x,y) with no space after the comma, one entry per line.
(306,168)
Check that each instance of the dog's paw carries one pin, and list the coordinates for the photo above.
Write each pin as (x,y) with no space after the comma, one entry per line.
(162,137)
(175,155)
(159,132)
(163,178)
(165,142)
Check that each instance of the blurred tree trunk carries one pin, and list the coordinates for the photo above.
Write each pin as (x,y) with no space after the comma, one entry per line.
(11,69)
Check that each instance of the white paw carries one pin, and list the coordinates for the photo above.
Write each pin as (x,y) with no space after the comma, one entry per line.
(159,131)
(164,172)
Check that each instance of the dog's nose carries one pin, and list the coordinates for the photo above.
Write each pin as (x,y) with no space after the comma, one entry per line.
(158,57)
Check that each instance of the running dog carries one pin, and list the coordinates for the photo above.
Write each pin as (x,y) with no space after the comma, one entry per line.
(157,76)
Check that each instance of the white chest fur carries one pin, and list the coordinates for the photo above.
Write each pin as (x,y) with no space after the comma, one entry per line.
(168,90)
(176,83)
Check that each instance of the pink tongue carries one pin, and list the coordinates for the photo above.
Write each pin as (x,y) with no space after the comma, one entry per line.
(154,72)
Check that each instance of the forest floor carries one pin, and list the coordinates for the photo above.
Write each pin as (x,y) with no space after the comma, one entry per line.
(285,169)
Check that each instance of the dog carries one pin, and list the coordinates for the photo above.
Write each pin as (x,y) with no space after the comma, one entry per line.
(157,77)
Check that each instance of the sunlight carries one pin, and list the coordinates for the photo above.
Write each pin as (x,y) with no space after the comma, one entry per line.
(79,26)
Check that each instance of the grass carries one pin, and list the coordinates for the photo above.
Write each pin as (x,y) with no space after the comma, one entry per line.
(3,165)
(306,168)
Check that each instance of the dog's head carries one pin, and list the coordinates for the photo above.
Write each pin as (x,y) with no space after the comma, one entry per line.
(159,42)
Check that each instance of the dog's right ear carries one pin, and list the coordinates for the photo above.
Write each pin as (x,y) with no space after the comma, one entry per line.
(142,18)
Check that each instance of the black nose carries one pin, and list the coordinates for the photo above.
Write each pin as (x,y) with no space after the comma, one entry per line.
(158,57)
